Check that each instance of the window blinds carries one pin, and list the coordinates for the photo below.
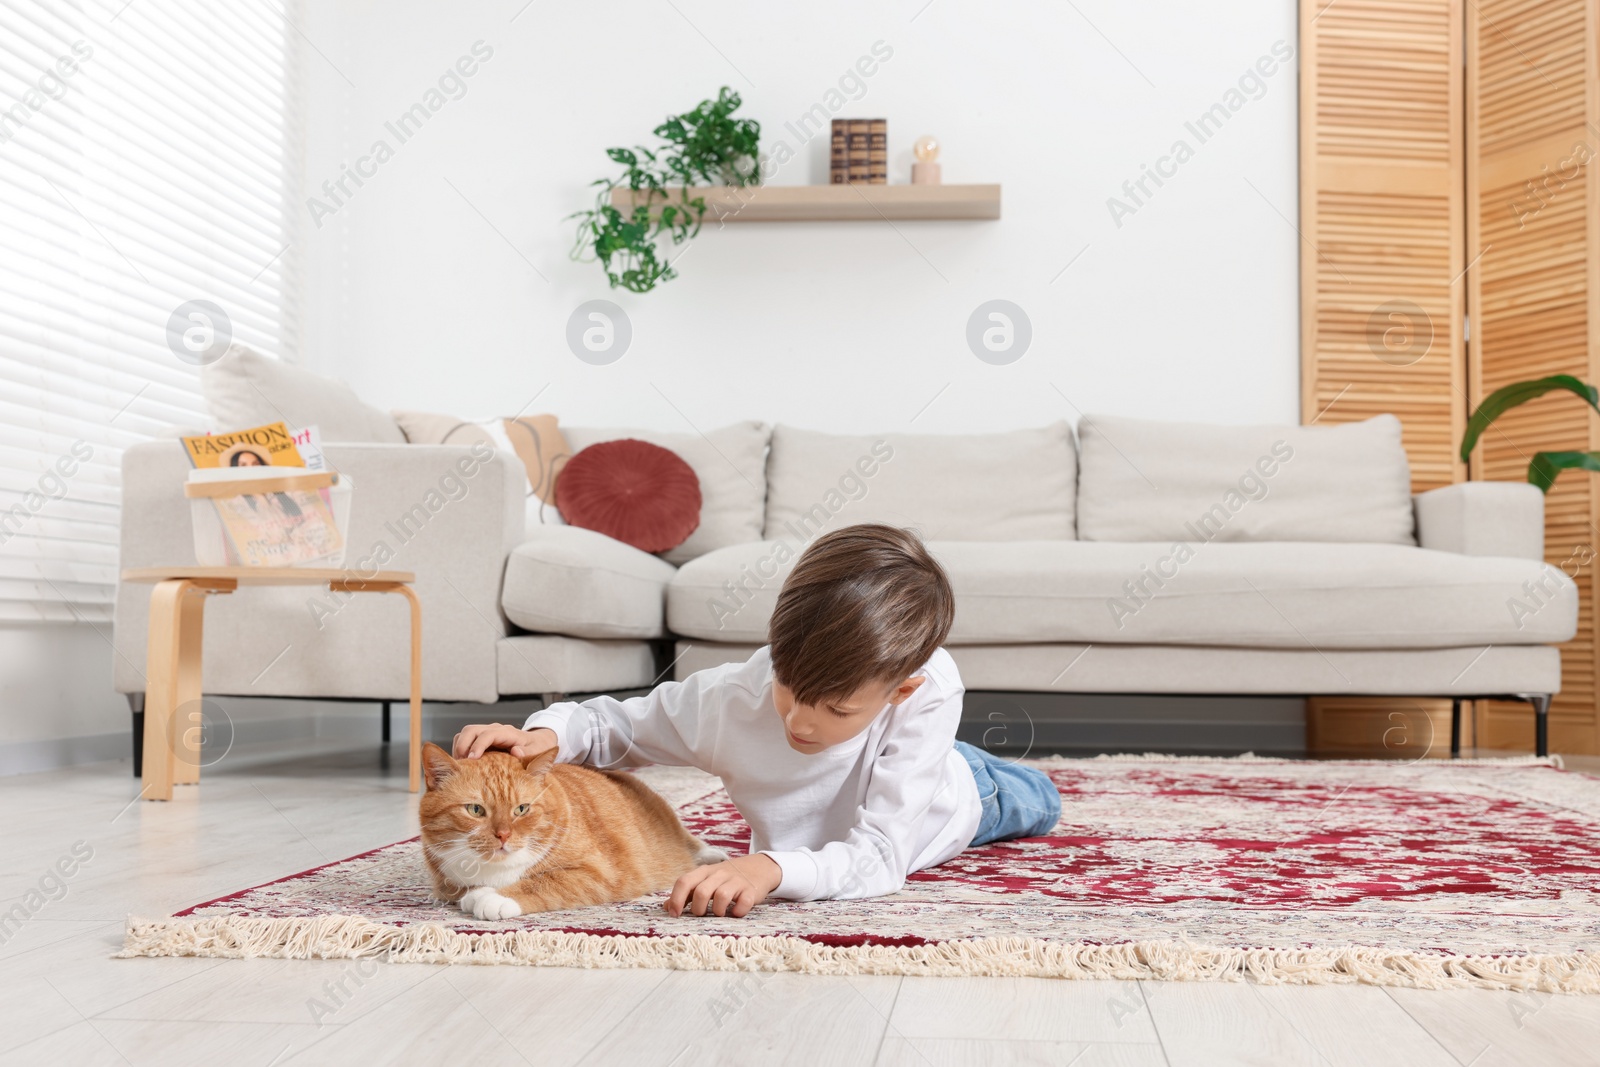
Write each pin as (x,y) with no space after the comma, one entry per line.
(149,157)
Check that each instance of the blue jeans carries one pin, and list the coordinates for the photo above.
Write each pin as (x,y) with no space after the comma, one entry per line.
(1017,801)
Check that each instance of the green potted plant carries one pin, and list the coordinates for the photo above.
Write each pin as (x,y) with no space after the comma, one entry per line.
(706,145)
(1545,466)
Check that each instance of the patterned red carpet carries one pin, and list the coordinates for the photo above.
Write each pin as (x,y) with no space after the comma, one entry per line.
(1430,874)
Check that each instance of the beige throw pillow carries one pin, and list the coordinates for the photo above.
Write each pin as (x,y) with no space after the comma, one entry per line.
(1012,486)
(1193,482)
(430,428)
(536,440)
(245,388)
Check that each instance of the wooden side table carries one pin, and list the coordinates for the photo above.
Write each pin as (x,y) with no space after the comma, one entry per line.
(172,673)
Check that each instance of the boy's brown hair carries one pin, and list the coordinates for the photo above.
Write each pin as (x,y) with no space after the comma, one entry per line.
(867,603)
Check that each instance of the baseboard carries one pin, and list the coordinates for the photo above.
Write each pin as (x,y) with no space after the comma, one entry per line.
(356,722)
(440,722)
(53,753)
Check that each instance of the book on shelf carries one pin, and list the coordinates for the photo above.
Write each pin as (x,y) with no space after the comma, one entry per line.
(878,151)
(839,153)
(860,152)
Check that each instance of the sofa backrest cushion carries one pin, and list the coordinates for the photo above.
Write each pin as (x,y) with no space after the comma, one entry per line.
(245,389)
(1016,486)
(1178,481)
(731,465)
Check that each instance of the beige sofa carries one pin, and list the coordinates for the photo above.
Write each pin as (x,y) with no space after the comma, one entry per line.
(1133,557)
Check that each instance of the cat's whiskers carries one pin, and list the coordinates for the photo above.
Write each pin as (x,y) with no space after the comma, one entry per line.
(465,864)
(538,857)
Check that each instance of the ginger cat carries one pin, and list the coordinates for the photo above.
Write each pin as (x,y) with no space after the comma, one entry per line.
(504,837)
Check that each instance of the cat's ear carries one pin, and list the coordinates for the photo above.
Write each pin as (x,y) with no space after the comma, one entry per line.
(540,763)
(436,765)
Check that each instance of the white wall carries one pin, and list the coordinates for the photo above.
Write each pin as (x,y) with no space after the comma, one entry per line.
(1188,310)
(55,684)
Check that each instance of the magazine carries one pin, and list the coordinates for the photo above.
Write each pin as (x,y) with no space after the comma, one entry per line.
(308,442)
(277,529)
(271,445)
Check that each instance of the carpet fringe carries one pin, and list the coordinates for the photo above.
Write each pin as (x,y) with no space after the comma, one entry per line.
(352,937)
(1553,760)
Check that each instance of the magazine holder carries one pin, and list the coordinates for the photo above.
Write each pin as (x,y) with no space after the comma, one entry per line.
(268,516)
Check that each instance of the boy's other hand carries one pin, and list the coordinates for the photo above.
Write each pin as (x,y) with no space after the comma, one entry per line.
(474,741)
(729,888)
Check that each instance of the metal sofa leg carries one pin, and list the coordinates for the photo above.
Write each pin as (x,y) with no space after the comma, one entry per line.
(1541,721)
(136,706)
(552,698)
(1455,727)
(387,725)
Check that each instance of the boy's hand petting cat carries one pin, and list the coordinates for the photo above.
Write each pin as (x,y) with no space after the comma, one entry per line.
(729,888)
(474,741)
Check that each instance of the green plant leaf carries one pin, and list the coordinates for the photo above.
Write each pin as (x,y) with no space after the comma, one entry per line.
(703,145)
(1502,400)
(1547,465)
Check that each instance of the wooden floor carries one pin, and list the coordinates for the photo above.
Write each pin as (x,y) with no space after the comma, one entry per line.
(63,1000)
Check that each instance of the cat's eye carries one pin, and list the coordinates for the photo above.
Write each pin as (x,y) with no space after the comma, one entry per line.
(475,810)
(523,809)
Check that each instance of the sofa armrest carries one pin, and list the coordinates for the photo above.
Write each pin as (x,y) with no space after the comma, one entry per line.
(447,513)
(1482,519)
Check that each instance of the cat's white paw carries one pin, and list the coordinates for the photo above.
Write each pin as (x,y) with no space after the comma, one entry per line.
(485,902)
(708,855)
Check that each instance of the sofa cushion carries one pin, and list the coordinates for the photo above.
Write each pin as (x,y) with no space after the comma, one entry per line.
(731,466)
(729,594)
(245,389)
(1250,595)
(547,663)
(1104,668)
(535,441)
(568,580)
(1175,481)
(1014,486)
(433,428)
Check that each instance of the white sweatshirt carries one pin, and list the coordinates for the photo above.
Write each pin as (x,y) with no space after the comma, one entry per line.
(846,822)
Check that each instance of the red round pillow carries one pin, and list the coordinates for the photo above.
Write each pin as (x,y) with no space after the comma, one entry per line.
(641,494)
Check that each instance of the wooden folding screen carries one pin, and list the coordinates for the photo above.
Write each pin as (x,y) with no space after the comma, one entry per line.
(1532,137)
(1383,238)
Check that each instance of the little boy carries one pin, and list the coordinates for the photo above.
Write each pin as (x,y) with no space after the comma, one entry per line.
(836,741)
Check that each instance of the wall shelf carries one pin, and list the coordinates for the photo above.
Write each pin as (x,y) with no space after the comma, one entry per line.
(818,203)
